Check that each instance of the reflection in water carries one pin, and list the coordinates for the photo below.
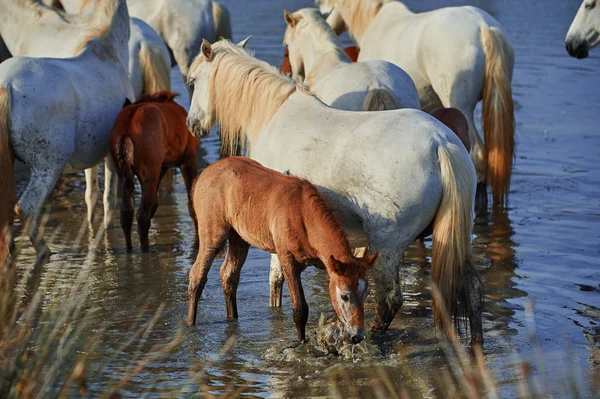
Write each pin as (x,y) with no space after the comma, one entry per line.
(544,248)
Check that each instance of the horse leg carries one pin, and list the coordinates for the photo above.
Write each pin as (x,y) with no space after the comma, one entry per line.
(38,189)
(231,269)
(199,275)
(110,190)
(292,272)
(147,208)
(386,275)
(127,210)
(91,191)
(189,172)
(276,282)
(476,293)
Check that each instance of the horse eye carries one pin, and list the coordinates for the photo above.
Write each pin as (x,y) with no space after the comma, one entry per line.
(345,297)
(589,6)
(191,81)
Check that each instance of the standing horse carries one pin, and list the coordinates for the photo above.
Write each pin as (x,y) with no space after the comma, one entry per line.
(318,59)
(149,137)
(387,175)
(241,202)
(456,56)
(584,33)
(286,68)
(55,112)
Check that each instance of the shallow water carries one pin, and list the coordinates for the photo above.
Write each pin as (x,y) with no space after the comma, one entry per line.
(542,251)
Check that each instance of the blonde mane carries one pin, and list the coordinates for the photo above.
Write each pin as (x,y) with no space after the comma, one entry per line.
(360,13)
(323,32)
(99,27)
(244,93)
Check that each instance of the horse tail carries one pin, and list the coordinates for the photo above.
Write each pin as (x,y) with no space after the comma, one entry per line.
(451,258)
(379,100)
(122,154)
(498,111)
(222,21)
(155,72)
(7,176)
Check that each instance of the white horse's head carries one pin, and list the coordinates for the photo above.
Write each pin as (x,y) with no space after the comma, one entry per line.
(332,15)
(200,118)
(289,39)
(584,33)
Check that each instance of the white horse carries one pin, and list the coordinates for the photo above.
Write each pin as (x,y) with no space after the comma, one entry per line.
(387,175)
(456,56)
(55,112)
(317,58)
(51,33)
(584,33)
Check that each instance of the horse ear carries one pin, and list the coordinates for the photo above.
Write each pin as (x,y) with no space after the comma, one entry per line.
(127,102)
(244,42)
(289,18)
(334,266)
(370,259)
(206,49)
(326,15)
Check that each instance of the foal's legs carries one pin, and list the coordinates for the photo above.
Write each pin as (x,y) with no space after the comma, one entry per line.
(276,282)
(231,269)
(292,272)
(110,190)
(147,209)
(91,191)
(199,275)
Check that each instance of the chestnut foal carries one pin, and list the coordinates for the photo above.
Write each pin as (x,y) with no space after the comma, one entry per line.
(147,139)
(239,201)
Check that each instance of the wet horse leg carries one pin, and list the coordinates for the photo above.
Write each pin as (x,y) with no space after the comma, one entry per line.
(231,269)
(276,281)
(127,209)
(189,172)
(91,191)
(292,272)
(110,190)
(476,293)
(199,275)
(386,275)
(147,209)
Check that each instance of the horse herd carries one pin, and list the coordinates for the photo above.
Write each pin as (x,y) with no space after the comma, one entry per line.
(325,172)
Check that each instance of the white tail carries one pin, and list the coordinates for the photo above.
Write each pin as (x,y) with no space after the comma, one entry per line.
(155,72)
(7,174)
(222,21)
(451,259)
(498,111)
(380,100)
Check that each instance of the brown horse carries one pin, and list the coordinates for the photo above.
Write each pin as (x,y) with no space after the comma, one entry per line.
(456,121)
(239,201)
(147,138)
(286,67)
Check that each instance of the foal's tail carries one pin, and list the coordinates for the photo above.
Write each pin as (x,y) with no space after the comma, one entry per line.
(7,174)
(380,100)
(498,111)
(222,21)
(155,70)
(451,259)
(122,153)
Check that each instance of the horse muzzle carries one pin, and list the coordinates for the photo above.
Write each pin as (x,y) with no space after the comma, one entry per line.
(196,128)
(577,48)
(355,335)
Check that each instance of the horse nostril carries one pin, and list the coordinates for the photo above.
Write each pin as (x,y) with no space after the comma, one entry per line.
(568,47)
(357,338)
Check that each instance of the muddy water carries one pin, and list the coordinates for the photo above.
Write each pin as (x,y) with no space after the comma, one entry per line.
(542,251)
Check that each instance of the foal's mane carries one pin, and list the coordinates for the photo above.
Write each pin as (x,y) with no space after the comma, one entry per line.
(244,92)
(361,13)
(160,97)
(322,30)
(99,26)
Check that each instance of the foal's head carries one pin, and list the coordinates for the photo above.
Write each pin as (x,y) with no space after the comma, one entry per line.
(348,289)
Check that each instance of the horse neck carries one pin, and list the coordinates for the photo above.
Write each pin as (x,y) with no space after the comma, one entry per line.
(325,235)
(358,15)
(320,56)
(13,15)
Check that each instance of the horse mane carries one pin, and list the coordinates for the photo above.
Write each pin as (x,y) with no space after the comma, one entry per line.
(244,92)
(322,30)
(99,26)
(160,97)
(360,14)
